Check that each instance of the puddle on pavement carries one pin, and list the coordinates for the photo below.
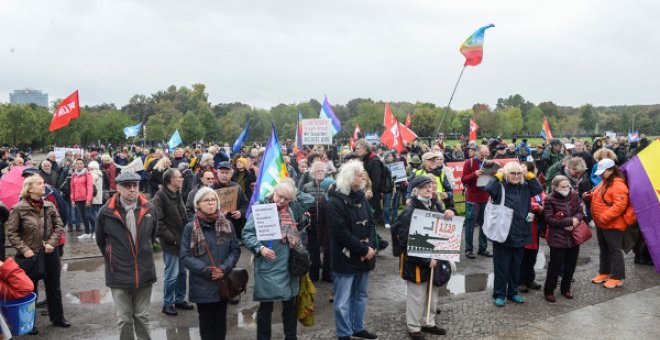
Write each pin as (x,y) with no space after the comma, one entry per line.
(461,283)
(248,317)
(175,333)
(88,265)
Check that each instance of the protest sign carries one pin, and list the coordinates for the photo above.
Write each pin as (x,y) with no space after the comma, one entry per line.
(316,131)
(398,171)
(228,198)
(372,138)
(431,236)
(60,152)
(134,166)
(266,222)
(610,134)
(457,168)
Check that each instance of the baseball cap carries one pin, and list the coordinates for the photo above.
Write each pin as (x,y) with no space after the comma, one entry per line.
(603,165)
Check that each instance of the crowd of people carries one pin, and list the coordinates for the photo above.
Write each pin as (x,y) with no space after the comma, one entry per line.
(331,204)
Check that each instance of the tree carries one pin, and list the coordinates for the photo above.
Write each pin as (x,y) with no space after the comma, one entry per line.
(588,118)
(191,128)
(512,122)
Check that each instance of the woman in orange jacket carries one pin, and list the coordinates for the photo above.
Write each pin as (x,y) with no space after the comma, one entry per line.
(609,203)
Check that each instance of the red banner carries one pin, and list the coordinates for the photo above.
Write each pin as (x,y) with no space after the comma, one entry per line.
(408,120)
(473,130)
(68,109)
(457,167)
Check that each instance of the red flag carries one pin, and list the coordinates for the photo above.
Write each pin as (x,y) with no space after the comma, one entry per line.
(67,110)
(356,132)
(352,143)
(408,120)
(473,130)
(391,136)
(407,135)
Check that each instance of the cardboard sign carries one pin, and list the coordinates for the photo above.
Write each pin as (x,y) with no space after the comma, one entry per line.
(266,222)
(60,152)
(398,171)
(432,237)
(134,166)
(228,198)
(457,168)
(316,131)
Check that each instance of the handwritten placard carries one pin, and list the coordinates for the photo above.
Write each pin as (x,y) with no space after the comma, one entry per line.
(398,171)
(316,131)
(228,198)
(266,222)
(432,237)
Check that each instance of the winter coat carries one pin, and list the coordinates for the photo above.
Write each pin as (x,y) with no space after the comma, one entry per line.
(272,280)
(51,178)
(550,158)
(353,231)
(82,187)
(14,283)
(109,175)
(518,198)
(97,176)
(25,227)
(373,166)
(473,193)
(608,205)
(318,209)
(411,268)
(559,212)
(128,263)
(245,181)
(225,255)
(171,218)
(538,222)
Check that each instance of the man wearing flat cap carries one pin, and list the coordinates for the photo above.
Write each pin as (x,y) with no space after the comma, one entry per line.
(125,233)
(432,166)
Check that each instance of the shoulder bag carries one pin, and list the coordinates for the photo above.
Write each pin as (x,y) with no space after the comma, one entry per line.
(581,233)
(232,283)
(497,219)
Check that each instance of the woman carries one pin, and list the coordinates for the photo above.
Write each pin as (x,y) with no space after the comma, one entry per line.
(243,176)
(97,200)
(417,271)
(457,155)
(519,187)
(388,209)
(156,179)
(599,155)
(109,174)
(612,213)
(527,273)
(272,281)
(563,211)
(34,228)
(81,195)
(209,235)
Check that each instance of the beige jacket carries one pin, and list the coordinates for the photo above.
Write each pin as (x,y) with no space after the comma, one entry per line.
(25,227)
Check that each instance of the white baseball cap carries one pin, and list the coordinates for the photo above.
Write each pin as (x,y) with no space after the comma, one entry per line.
(603,165)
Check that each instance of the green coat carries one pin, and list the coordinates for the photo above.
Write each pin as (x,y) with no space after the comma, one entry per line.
(272,281)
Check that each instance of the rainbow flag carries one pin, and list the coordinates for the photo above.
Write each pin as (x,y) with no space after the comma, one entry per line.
(271,171)
(298,142)
(473,47)
(545,131)
(644,192)
(326,112)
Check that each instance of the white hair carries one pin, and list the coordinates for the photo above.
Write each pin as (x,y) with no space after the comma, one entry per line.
(205,157)
(347,174)
(201,193)
(93,165)
(288,185)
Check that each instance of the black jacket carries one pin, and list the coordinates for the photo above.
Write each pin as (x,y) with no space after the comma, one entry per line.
(353,231)
(374,168)
(128,264)
(171,218)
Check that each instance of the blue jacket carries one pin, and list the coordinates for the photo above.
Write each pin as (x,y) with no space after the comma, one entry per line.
(225,254)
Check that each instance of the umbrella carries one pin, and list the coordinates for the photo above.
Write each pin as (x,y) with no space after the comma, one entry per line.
(11,185)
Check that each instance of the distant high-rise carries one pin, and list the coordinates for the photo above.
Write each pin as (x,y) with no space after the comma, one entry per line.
(28,96)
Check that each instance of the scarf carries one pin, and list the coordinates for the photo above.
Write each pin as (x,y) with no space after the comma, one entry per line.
(288,227)
(80,172)
(222,231)
(37,204)
(130,217)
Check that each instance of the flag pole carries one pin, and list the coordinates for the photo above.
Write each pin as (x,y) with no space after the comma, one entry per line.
(450,99)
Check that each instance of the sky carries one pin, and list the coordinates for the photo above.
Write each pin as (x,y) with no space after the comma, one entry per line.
(263,53)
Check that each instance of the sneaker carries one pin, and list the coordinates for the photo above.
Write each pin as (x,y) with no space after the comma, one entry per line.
(499,302)
(485,253)
(84,236)
(613,283)
(600,278)
(387,226)
(364,334)
(517,299)
(434,330)
(534,285)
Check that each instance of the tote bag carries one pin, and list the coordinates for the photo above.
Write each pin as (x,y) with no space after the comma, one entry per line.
(497,219)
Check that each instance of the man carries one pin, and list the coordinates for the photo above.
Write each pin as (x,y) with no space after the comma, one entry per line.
(353,250)
(430,167)
(237,217)
(207,178)
(178,158)
(53,162)
(125,234)
(373,165)
(551,155)
(218,155)
(171,218)
(500,152)
(4,159)
(511,151)
(475,201)
(581,151)
(121,158)
(523,150)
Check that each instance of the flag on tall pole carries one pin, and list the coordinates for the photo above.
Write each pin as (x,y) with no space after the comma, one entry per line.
(68,109)
(236,148)
(473,130)
(356,133)
(326,112)
(545,131)
(473,47)
(175,140)
(391,136)
(271,171)
(298,142)
(408,120)
(132,131)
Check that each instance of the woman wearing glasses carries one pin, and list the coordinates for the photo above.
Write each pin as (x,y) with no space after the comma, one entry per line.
(272,280)
(209,236)
(519,187)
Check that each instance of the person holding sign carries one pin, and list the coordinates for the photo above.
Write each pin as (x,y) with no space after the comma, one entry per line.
(415,270)
(272,280)
(238,201)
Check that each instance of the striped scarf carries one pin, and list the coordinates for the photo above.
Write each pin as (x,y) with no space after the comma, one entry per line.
(288,227)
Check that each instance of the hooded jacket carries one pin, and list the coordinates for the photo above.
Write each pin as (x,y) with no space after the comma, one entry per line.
(608,205)
(559,212)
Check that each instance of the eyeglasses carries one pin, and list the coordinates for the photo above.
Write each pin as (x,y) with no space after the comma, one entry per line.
(515,173)
(209,201)
(208,178)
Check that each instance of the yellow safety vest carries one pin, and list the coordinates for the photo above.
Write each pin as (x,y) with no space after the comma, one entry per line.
(438,179)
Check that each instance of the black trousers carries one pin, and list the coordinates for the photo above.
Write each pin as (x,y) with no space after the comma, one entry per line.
(289,320)
(212,320)
(561,257)
(611,255)
(506,265)
(314,250)
(53,289)
(527,274)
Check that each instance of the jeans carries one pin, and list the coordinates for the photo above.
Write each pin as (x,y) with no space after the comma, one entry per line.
(350,302)
(506,264)
(133,311)
(396,200)
(94,213)
(565,258)
(387,202)
(474,216)
(73,214)
(611,255)
(289,319)
(174,280)
(83,213)
(212,320)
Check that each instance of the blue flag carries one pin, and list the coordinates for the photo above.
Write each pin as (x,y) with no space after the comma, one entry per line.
(542,134)
(240,140)
(132,131)
(326,112)
(175,140)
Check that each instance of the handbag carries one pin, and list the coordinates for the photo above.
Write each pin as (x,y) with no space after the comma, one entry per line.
(581,233)
(497,219)
(232,283)
(442,273)
(298,261)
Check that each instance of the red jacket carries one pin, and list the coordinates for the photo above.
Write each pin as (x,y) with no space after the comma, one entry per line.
(14,283)
(82,187)
(537,203)
(473,193)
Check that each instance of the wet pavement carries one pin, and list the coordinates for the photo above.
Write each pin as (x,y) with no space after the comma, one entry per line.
(465,302)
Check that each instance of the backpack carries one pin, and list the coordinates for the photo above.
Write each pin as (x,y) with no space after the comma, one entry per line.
(386,181)
(523,152)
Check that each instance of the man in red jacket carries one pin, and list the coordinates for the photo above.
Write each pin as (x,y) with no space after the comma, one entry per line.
(475,199)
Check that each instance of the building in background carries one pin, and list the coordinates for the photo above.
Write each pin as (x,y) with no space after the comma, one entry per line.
(28,96)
